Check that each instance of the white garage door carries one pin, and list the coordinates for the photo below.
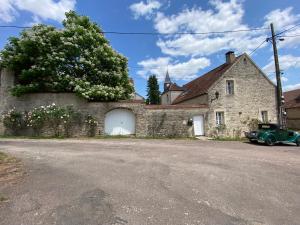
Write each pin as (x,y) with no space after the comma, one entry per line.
(119,122)
(198,125)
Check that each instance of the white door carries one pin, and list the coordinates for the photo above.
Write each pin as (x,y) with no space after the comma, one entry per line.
(198,125)
(119,122)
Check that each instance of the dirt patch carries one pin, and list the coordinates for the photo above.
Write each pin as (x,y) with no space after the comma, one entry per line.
(10,171)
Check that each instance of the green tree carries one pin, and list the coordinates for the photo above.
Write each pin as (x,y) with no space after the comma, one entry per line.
(153,93)
(77,58)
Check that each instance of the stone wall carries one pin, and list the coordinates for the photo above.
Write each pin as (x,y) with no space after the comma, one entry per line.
(169,121)
(172,121)
(96,109)
(293,118)
(253,93)
(150,120)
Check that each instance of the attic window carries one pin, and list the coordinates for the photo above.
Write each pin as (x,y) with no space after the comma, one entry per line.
(229,87)
(245,61)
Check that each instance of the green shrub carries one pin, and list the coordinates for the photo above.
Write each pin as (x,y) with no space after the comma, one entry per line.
(14,121)
(71,118)
(91,125)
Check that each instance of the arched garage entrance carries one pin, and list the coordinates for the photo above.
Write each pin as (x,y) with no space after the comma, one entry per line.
(119,122)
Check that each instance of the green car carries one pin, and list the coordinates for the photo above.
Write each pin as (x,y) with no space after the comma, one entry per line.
(271,134)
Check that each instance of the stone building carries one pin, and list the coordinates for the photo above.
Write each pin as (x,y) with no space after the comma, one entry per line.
(292,106)
(221,101)
(234,93)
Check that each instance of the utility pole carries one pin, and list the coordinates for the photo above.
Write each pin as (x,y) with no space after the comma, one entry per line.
(278,79)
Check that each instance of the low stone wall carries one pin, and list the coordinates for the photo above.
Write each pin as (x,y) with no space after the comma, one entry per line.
(155,121)
(172,121)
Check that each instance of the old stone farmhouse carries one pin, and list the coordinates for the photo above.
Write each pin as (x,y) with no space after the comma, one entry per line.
(221,101)
(233,93)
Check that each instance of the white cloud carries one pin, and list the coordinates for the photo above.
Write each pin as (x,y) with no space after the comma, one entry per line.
(285,61)
(284,20)
(281,18)
(178,70)
(283,79)
(144,9)
(291,87)
(7,11)
(223,16)
(40,9)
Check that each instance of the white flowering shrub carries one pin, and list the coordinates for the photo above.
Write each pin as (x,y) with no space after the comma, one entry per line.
(52,117)
(59,121)
(14,121)
(77,58)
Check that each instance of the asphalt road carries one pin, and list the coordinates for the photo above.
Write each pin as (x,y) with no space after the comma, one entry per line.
(159,182)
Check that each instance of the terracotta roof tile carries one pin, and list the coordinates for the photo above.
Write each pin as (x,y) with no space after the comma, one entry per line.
(175,87)
(176,106)
(292,99)
(201,85)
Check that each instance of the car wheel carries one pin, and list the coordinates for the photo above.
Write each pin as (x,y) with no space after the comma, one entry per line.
(270,141)
(298,142)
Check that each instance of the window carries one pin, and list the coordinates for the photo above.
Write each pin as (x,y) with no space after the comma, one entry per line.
(230,87)
(264,116)
(220,118)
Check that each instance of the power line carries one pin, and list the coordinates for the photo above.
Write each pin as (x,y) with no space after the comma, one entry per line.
(156,33)
(295,35)
(258,46)
(287,29)
(13,26)
(182,33)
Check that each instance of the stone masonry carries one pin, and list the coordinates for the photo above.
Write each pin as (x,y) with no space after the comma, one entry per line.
(150,121)
(253,93)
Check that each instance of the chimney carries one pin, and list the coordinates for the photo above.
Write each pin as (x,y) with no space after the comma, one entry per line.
(230,57)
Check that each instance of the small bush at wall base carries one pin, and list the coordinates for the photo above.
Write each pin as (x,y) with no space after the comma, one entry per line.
(91,125)
(13,121)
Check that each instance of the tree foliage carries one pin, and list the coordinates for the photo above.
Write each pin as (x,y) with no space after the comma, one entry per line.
(153,93)
(77,58)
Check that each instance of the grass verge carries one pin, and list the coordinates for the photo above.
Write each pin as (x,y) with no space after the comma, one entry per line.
(230,139)
(98,137)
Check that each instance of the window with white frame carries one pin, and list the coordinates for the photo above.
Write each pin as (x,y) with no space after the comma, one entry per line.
(264,116)
(230,87)
(220,118)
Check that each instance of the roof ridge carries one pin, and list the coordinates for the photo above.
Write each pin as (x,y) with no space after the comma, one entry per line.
(205,74)
(200,85)
(292,91)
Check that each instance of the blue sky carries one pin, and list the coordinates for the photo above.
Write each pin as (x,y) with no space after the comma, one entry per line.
(186,56)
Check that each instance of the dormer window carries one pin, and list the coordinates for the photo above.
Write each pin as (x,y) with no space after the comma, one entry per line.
(229,87)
